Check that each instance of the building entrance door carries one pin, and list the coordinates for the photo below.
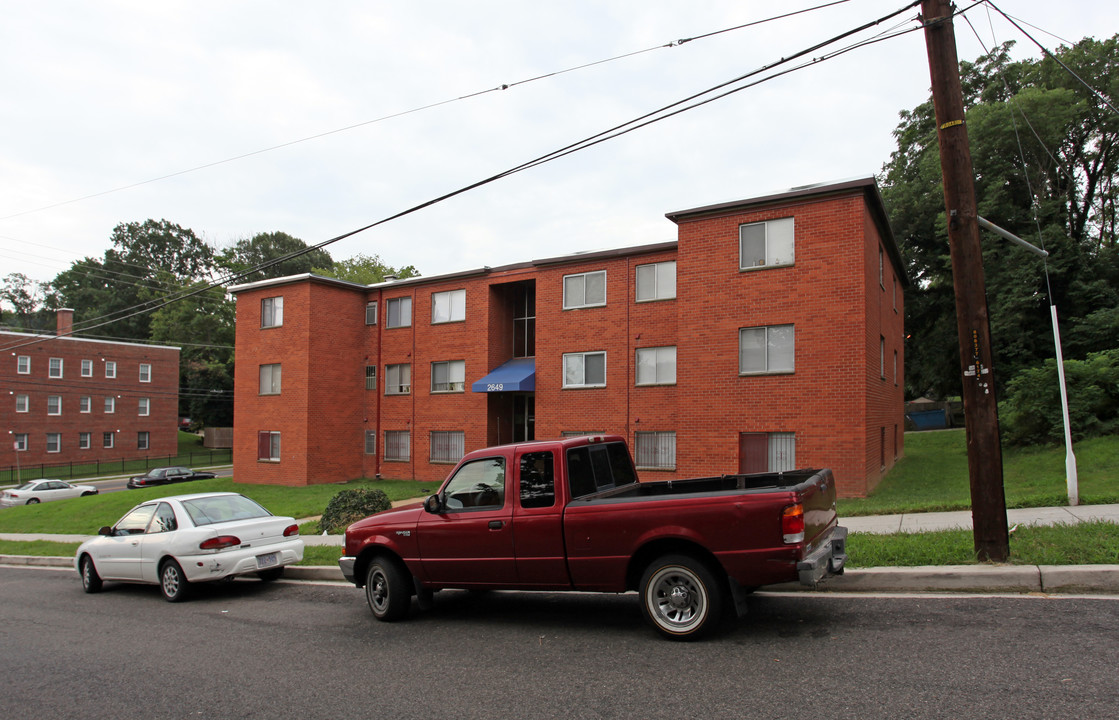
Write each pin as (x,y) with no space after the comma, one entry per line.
(524,418)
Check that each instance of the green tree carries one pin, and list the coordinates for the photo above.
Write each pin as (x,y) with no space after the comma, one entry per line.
(267,249)
(203,326)
(1046,155)
(365,270)
(149,262)
(26,304)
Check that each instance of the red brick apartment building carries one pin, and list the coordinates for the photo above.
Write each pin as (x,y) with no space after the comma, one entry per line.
(72,399)
(767,337)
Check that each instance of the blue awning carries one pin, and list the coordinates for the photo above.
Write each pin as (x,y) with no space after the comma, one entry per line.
(517,375)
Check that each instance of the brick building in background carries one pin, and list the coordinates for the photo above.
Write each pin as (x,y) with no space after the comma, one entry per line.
(767,337)
(69,399)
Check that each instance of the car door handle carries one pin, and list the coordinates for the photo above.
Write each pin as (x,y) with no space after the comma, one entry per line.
(497,524)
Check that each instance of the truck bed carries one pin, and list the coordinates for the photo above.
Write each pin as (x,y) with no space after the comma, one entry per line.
(722,484)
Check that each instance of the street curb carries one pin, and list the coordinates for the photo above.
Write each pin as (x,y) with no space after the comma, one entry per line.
(1051,579)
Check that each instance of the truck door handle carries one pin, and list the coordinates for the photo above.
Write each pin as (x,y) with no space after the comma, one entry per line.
(496,524)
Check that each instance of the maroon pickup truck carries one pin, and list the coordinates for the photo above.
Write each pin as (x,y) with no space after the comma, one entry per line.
(570,515)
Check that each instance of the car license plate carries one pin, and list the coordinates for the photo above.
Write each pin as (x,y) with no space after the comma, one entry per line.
(263,561)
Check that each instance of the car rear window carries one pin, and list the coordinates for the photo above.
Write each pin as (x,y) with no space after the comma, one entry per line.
(222,508)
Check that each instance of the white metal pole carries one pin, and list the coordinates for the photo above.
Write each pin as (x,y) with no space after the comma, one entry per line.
(1070,459)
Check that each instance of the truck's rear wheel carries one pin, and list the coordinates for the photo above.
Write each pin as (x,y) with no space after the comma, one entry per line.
(681,597)
(387,590)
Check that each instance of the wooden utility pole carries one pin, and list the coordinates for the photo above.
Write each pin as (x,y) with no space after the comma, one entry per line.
(984,451)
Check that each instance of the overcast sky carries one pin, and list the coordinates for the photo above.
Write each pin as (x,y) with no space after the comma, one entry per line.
(101,100)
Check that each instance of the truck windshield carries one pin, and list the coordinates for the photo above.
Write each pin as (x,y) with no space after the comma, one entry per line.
(598,467)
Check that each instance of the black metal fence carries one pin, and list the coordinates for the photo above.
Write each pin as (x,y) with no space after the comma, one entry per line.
(11,474)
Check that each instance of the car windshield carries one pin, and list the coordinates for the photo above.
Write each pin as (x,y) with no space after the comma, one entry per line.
(222,508)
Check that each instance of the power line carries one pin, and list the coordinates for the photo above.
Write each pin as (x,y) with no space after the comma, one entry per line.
(498,88)
(688,103)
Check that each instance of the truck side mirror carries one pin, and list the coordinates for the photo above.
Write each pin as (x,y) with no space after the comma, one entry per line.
(434,504)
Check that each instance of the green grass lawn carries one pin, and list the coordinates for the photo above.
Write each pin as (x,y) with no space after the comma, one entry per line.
(933,476)
(83,516)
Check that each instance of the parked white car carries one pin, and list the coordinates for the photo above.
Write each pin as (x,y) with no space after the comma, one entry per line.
(36,491)
(183,539)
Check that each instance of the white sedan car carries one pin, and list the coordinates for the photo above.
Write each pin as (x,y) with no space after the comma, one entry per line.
(36,491)
(183,539)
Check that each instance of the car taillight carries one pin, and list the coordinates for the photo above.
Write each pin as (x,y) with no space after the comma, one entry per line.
(792,524)
(221,542)
(291,530)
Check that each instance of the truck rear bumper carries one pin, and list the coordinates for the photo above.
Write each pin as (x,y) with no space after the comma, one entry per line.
(828,559)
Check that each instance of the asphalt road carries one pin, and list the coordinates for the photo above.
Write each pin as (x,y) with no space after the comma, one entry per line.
(293,650)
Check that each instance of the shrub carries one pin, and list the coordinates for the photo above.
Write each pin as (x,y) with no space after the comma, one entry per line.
(349,506)
(1031,413)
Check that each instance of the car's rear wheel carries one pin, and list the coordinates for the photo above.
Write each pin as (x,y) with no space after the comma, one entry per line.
(387,590)
(681,597)
(91,581)
(270,575)
(33,501)
(172,583)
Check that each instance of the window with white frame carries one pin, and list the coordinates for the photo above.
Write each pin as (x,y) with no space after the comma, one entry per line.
(23,404)
(587,369)
(399,312)
(20,442)
(449,306)
(268,446)
(145,372)
(766,350)
(655,450)
(54,442)
(656,281)
(54,404)
(398,379)
(767,452)
(584,290)
(370,377)
(110,369)
(143,440)
(397,445)
(110,405)
(85,441)
(270,379)
(23,364)
(87,368)
(144,407)
(107,440)
(371,313)
(447,446)
(85,404)
(765,244)
(370,442)
(448,376)
(272,312)
(656,365)
(54,368)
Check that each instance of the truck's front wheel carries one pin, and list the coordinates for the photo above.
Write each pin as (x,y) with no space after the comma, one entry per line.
(387,590)
(681,597)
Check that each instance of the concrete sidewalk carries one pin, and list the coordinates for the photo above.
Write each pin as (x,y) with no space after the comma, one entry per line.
(987,578)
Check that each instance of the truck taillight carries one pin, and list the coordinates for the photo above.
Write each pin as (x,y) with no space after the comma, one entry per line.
(291,530)
(221,542)
(792,524)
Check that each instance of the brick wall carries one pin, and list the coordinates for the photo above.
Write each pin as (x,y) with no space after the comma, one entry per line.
(126,390)
(835,402)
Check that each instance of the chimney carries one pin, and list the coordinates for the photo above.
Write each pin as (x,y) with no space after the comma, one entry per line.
(65,321)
